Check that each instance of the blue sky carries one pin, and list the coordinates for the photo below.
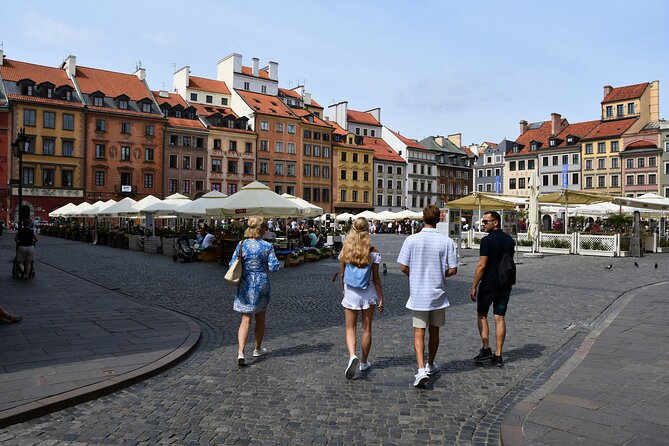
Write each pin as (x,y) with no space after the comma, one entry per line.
(433,67)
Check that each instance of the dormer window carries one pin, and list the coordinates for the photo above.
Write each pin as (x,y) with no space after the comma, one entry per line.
(146,107)
(27,89)
(49,92)
(570,140)
(515,149)
(123,104)
(166,111)
(552,143)
(534,146)
(177,113)
(98,101)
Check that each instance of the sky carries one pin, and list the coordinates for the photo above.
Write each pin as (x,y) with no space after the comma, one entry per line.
(433,67)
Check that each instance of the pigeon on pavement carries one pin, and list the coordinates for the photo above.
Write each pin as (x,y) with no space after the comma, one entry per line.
(636,264)
(609,267)
(655,265)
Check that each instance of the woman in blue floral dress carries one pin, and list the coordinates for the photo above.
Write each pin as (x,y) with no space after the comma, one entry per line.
(252,297)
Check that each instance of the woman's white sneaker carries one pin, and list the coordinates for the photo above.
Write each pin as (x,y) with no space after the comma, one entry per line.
(364,366)
(262,352)
(352,365)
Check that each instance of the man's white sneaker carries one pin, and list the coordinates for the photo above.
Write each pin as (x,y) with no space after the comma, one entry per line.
(364,366)
(352,365)
(431,369)
(420,378)
(262,352)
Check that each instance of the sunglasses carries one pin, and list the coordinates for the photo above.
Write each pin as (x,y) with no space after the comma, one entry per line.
(485,222)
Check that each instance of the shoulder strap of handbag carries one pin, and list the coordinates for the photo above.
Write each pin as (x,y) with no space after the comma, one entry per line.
(239,254)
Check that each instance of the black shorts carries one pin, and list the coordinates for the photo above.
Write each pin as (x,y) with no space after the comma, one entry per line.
(499,299)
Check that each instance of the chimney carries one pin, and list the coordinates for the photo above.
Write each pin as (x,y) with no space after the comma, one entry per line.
(376,112)
(2,56)
(439,140)
(556,121)
(274,71)
(306,98)
(140,73)
(255,61)
(70,65)
(163,94)
(607,90)
(523,126)
(456,138)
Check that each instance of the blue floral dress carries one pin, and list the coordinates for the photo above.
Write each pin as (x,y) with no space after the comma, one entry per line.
(253,289)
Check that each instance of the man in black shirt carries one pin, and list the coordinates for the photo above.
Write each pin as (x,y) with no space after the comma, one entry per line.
(490,291)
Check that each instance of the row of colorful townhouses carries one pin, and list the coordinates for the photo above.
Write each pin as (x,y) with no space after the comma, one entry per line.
(93,134)
(624,152)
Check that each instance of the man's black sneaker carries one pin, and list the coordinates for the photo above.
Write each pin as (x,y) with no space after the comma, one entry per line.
(497,361)
(484,355)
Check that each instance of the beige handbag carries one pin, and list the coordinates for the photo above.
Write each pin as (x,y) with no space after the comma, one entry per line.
(234,273)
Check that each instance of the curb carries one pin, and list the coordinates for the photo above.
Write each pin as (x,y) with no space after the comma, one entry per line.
(70,398)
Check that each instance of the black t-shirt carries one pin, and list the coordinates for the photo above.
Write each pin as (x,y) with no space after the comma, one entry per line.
(492,246)
(25,237)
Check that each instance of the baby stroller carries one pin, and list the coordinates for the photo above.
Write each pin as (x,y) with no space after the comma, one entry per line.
(183,250)
(16,271)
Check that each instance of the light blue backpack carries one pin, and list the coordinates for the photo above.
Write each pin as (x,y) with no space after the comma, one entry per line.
(357,277)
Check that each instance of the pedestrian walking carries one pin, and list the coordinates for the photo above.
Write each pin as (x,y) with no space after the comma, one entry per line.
(25,254)
(428,258)
(362,289)
(253,290)
(490,290)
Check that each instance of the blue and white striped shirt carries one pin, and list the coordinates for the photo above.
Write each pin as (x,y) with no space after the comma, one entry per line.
(428,254)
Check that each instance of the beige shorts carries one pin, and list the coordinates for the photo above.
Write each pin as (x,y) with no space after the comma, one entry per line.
(435,318)
(25,253)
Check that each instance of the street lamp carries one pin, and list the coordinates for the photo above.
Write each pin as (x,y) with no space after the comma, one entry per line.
(19,147)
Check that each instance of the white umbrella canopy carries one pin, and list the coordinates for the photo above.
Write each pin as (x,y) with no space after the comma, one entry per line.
(406,213)
(61,210)
(646,201)
(369,215)
(78,210)
(387,215)
(144,203)
(255,199)
(344,217)
(98,208)
(533,208)
(122,207)
(308,209)
(198,208)
(602,209)
(168,206)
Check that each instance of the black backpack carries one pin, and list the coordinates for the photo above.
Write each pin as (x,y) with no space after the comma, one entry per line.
(506,272)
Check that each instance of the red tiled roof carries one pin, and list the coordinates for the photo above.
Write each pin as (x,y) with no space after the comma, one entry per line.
(315,104)
(261,73)
(204,84)
(607,129)
(266,104)
(302,113)
(183,122)
(13,70)
(641,145)
(540,134)
(172,99)
(626,92)
(491,144)
(208,110)
(382,151)
(579,129)
(468,152)
(111,83)
(124,112)
(362,118)
(409,142)
(291,93)
(338,130)
(40,100)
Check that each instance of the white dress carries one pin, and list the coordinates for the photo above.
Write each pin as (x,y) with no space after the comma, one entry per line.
(358,298)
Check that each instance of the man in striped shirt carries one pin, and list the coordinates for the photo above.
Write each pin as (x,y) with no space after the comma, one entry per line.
(428,258)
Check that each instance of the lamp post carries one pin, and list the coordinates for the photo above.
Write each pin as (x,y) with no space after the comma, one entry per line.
(20,146)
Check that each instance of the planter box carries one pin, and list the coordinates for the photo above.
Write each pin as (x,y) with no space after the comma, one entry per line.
(624,254)
(596,252)
(662,249)
(521,248)
(311,257)
(290,261)
(554,250)
(151,244)
(134,244)
(168,247)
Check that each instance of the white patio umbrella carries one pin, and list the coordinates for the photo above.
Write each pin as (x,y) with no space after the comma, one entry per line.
(387,215)
(122,207)
(369,215)
(98,208)
(406,213)
(198,208)
(533,210)
(59,212)
(143,204)
(646,201)
(168,206)
(255,199)
(78,210)
(308,209)
(344,216)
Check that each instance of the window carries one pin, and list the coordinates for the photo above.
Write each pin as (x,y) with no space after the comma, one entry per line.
(28,176)
(614,163)
(390,170)
(125,127)
(199,185)
(588,182)
(263,167)
(530,165)
(290,170)
(48,146)
(307,133)
(652,162)
(224,101)
(614,181)
(544,179)
(379,168)
(614,146)
(186,186)
(398,171)
(521,165)
(354,196)
(185,141)
(565,159)
(620,110)
(588,164)
(326,152)
(248,147)
(574,158)
(66,178)
(185,163)
(355,157)
(343,158)
(29,117)
(379,200)
(317,170)
(49,120)
(174,162)
(278,189)
(521,183)
(264,145)
(174,140)
(317,151)
(307,193)
(355,175)
(601,147)
(601,181)
(641,162)
(247,85)
(172,185)
(199,163)
(588,149)
(148,154)
(199,142)
(278,168)
(264,125)
(630,163)
(248,168)
(232,166)
(290,148)
(343,195)
(148,181)
(48,176)
(193,96)
(98,101)
(232,146)
(68,121)
(125,153)
(652,178)
(601,163)
(279,127)
(556,179)
(342,174)
(209,99)
(574,178)
(326,172)
(278,146)
(99,151)
(640,180)
(68,148)
(609,111)
(99,178)
(512,166)
(630,180)
(146,107)
(365,176)
(149,130)
(100,125)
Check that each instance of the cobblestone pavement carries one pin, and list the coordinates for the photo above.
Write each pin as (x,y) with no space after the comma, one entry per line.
(298,393)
